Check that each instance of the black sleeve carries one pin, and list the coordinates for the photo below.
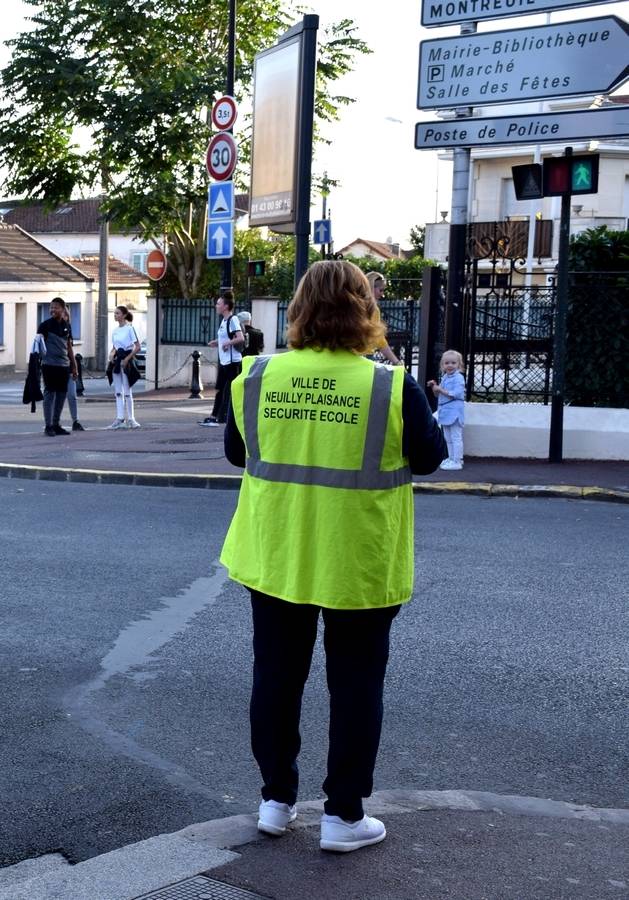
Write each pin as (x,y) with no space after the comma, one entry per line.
(422,440)
(233,442)
(43,328)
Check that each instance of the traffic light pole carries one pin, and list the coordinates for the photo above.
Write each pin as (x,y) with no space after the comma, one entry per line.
(555,448)
(457,246)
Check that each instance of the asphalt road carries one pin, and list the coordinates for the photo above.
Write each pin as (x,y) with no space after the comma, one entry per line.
(125,662)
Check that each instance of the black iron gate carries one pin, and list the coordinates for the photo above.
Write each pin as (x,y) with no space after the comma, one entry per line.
(508,327)
(402,318)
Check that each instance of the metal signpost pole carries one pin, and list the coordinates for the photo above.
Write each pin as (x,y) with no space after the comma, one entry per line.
(103,301)
(302,222)
(458,233)
(157,336)
(226,283)
(555,449)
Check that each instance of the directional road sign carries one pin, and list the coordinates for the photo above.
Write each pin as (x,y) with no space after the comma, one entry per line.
(156,265)
(449,12)
(221,156)
(220,240)
(224,113)
(560,60)
(221,200)
(322,231)
(556,127)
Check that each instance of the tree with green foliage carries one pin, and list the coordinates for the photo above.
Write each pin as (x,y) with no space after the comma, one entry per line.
(417,238)
(403,275)
(112,96)
(597,344)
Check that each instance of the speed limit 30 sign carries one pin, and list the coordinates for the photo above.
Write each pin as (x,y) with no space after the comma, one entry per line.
(224,113)
(221,157)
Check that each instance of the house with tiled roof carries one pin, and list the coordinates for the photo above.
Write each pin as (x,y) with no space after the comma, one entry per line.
(73,229)
(361,247)
(30,276)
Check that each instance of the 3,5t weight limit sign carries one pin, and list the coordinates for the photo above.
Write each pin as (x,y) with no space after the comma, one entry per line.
(221,157)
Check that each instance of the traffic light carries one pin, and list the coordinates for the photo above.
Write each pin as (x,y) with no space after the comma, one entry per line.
(571,175)
(256,268)
(527,181)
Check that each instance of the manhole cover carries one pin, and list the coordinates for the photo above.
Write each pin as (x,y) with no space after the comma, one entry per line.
(201,888)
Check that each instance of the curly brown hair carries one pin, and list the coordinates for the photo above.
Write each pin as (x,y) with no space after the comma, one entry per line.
(333,308)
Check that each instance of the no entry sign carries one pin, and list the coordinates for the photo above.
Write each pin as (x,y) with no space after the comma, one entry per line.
(156,265)
(224,113)
(221,157)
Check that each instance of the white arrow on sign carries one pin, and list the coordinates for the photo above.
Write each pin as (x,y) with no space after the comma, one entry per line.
(561,60)
(220,204)
(559,127)
(220,240)
(219,237)
(322,233)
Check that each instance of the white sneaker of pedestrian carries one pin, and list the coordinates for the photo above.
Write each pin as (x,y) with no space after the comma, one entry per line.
(456,464)
(273,817)
(117,423)
(132,423)
(342,836)
(447,464)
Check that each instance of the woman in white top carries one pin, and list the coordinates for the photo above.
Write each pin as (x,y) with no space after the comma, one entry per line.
(125,345)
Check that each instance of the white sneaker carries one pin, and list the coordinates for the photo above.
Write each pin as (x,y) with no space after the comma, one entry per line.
(447,463)
(131,423)
(273,817)
(117,423)
(342,836)
(456,464)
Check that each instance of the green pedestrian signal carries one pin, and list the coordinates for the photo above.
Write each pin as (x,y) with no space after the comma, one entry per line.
(582,176)
(255,268)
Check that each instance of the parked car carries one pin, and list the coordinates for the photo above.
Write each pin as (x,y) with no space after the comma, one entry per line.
(140,359)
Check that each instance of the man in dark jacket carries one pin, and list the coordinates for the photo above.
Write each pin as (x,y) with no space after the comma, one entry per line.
(57,366)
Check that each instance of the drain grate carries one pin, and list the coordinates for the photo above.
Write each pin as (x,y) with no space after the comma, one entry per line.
(201,888)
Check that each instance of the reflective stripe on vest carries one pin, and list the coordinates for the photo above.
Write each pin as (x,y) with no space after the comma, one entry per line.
(368,477)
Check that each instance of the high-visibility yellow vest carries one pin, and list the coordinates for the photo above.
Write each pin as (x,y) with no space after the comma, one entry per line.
(325,512)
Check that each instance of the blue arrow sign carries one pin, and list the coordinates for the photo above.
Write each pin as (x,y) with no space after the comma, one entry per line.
(220,240)
(221,201)
(322,231)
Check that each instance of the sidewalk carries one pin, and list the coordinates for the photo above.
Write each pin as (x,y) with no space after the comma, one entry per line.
(460,845)
(178,453)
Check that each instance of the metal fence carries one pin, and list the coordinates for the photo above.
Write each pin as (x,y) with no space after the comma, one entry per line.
(401,317)
(510,346)
(191,321)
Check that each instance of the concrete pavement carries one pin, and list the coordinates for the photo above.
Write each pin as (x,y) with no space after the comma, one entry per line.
(466,845)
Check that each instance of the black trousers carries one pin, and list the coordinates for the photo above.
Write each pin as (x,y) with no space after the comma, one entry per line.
(55,388)
(356,644)
(224,378)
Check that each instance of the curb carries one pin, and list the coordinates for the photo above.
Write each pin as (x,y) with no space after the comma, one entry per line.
(156,863)
(232,482)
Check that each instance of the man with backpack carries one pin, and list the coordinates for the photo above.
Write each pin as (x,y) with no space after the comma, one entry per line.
(230,342)
(254,338)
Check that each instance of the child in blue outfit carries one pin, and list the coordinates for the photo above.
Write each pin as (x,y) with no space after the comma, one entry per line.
(450,406)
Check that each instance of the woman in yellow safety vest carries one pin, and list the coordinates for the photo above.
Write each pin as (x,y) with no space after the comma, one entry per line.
(324,524)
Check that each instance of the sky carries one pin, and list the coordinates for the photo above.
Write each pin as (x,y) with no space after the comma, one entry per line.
(385,186)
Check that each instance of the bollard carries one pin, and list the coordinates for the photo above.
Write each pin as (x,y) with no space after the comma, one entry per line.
(80,390)
(195,385)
